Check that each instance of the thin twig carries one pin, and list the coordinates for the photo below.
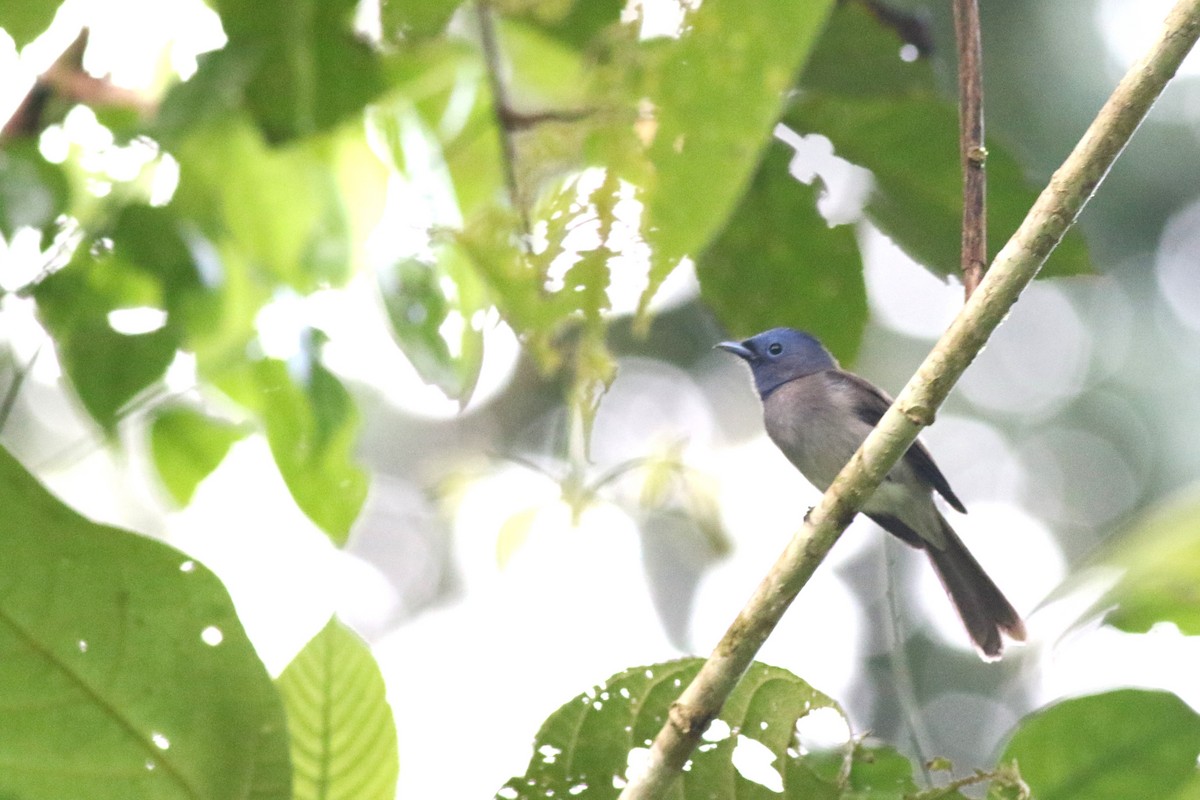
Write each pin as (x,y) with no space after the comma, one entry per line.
(902,677)
(14,388)
(503,110)
(1015,266)
(970,143)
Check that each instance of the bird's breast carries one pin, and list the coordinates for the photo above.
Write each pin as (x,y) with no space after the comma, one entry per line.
(814,428)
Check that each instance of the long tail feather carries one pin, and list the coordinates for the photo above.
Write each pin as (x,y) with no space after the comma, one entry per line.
(984,609)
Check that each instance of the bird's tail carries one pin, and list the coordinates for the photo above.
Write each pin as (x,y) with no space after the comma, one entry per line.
(984,609)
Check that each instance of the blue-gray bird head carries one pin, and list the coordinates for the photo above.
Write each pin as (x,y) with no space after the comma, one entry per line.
(780,355)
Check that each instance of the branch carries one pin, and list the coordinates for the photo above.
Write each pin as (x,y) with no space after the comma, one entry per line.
(971,146)
(502,108)
(1015,266)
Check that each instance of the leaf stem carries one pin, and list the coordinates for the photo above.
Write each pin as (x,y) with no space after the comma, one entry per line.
(1015,266)
(503,110)
(971,143)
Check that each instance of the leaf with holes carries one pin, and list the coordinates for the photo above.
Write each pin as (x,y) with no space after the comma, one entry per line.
(582,749)
(124,671)
(343,737)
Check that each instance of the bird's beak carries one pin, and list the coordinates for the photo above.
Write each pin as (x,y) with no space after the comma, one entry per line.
(737,348)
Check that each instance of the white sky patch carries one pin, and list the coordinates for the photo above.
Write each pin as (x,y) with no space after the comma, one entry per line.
(135,321)
(754,761)
(822,729)
(1129,28)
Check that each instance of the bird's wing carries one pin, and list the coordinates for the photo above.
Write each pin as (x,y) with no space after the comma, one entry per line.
(869,405)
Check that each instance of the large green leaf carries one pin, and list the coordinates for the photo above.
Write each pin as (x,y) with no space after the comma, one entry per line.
(25,20)
(312,426)
(1160,557)
(582,749)
(715,94)
(887,115)
(278,208)
(778,263)
(33,192)
(124,671)
(311,71)
(342,734)
(1113,746)
(140,262)
(187,446)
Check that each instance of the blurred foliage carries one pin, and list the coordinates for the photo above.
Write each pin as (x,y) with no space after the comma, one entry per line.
(514,161)
(343,738)
(1113,746)
(32,191)
(886,114)
(775,241)
(1159,558)
(24,20)
(187,445)
(521,157)
(107,640)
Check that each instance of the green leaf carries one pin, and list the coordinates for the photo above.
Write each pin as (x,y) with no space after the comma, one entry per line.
(405,19)
(420,299)
(1113,746)
(886,115)
(311,69)
(212,94)
(576,22)
(141,261)
(187,446)
(881,773)
(1160,557)
(25,20)
(716,95)
(343,739)
(777,263)
(124,671)
(311,424)
(581,749)
(278,208)
(33,192)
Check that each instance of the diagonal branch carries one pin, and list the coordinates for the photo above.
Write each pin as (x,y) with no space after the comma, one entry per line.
(971,148)
(1015,266)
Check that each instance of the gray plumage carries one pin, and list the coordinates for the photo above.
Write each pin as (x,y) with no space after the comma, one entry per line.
(818,416)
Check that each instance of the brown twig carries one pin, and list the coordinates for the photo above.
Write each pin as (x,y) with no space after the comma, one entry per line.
(66,78)
(970,143)
(1015,266)
(502,108)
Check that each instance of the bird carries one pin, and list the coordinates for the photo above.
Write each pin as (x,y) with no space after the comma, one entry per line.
(818,414)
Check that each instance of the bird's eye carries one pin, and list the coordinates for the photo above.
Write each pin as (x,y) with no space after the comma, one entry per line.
(775,348)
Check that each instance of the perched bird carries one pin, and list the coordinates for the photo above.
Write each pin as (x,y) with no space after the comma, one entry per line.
(818,416)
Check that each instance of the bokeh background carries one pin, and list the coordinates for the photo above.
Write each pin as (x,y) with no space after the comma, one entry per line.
(482,586)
